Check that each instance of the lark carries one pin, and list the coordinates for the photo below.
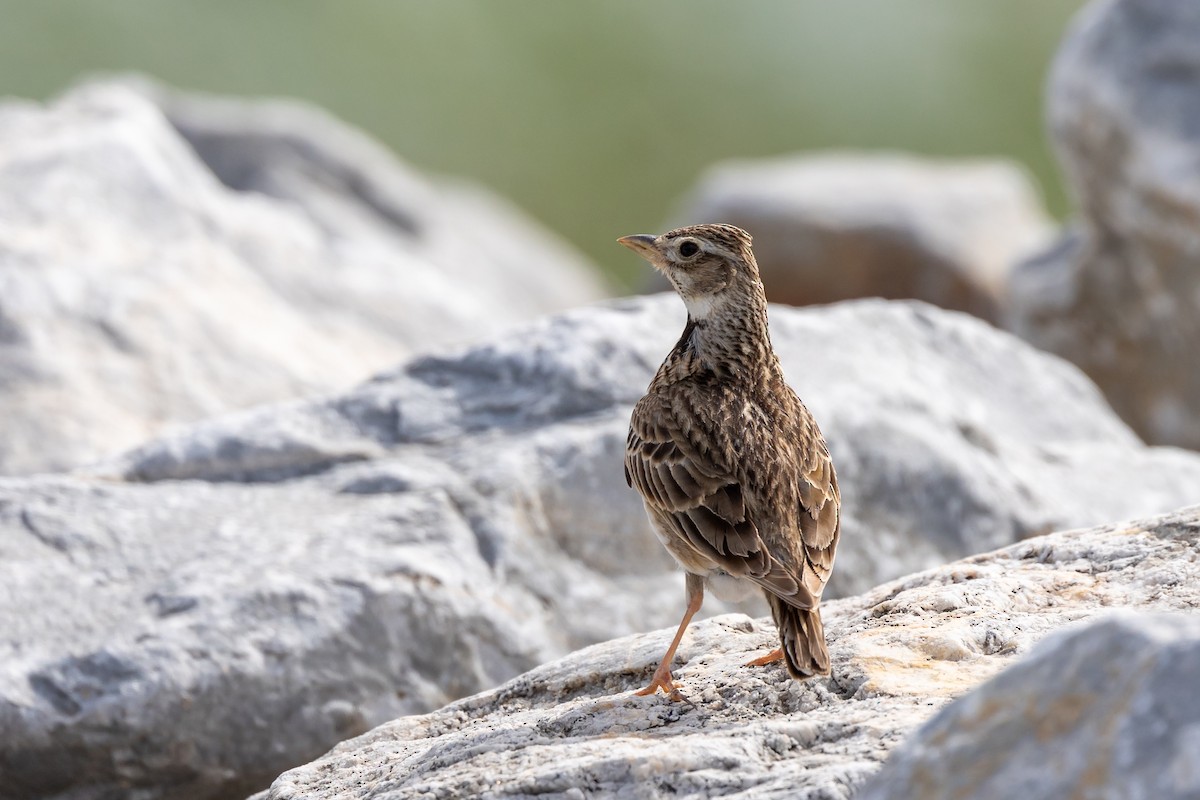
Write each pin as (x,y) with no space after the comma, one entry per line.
(733,470)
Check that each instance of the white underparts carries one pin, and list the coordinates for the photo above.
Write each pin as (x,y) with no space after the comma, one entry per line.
(729,588)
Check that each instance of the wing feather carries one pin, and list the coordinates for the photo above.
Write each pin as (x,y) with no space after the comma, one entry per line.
(699,498)
(718,513)
(819,517)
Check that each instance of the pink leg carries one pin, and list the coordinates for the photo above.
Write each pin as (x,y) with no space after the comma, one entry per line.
(662,676)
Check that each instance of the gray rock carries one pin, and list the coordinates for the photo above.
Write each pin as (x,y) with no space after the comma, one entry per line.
(840,226)
(231,600)
(950,437)
(574,728)
(147,279)
(351,187)
(1108,712)
(1118,295)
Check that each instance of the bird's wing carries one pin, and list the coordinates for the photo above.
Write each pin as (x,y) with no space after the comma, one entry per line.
(702,500)
(819,514)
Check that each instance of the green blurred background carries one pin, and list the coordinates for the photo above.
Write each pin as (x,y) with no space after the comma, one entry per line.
(596,117)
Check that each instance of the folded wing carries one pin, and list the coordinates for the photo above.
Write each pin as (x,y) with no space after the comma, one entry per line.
(704,504)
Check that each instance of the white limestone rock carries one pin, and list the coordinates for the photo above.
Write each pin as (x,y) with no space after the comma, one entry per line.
(1109,712)
(145,282)
(224,603)
(950,437)
(574,728)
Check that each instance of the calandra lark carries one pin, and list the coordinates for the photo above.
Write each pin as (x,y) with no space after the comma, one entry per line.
(735,475)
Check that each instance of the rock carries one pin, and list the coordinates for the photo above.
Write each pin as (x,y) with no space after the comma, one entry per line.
(990,442)
(351,187)
(574,728)
(840,226)
(230,600)
(148,279)
(1109,711)
(1118,294)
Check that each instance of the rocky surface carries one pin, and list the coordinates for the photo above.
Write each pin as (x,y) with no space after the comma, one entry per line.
(840,226)
(950,437)
(1108,712)
(268,252)
(1118,295)
(574,728)
(221,604)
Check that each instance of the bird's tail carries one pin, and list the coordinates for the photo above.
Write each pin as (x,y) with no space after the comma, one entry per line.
(802,638)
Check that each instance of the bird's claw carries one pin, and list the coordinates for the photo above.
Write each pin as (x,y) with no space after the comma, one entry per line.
(662,680)
(769,658)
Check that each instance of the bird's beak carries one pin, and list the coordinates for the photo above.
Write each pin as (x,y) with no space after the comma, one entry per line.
(642,244)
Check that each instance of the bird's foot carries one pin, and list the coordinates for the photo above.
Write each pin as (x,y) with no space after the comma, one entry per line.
(662,680)
(769,658)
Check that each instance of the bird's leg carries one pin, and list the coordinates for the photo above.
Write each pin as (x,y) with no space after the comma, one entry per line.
(662,676)
(769,658)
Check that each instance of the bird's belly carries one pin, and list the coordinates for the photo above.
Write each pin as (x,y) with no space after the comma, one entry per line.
(729,588)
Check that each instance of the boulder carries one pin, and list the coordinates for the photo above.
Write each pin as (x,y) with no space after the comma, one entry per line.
(230,600)
(574,728)
(351,187)
(1107,712)
(950,437)
(1118,294)
(845,225)
(150,277)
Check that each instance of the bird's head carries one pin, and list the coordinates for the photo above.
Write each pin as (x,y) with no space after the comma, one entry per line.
(711,266)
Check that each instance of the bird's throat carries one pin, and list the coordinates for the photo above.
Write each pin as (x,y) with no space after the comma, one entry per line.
(727,342)
(701,308)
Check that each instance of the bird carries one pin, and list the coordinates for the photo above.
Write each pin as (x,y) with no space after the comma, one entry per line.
(734,473)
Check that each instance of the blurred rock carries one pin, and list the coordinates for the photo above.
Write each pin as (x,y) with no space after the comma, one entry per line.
(351,187)
(1119,295)
(840,226)
(146,280)
(573,728)
(193,618)
(1109,712)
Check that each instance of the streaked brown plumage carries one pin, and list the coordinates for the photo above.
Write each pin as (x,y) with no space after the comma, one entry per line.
(735,475)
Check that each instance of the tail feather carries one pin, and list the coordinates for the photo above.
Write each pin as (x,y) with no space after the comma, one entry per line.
(802,638)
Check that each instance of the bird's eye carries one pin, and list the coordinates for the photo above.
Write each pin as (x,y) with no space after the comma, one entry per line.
(689,249)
